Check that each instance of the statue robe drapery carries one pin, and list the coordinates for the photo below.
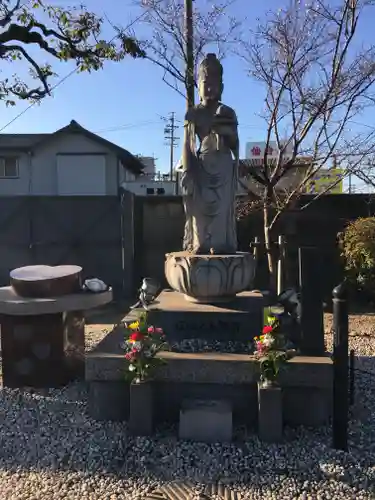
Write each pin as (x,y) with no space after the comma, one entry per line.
(209,189)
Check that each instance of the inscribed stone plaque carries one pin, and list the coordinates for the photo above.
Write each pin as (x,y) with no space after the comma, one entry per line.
(240,320)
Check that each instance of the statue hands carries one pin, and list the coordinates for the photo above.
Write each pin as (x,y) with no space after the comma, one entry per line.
(224,125)
(224,130)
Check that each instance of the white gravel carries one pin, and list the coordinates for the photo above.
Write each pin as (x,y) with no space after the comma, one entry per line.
(50,449)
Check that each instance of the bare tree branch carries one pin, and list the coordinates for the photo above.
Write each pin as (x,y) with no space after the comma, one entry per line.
(71,34)
(214,30)
(317,74)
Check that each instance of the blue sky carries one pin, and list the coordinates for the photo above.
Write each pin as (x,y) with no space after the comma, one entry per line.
(125,102)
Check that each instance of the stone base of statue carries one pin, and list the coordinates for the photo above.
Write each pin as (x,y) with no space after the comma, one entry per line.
(209,278)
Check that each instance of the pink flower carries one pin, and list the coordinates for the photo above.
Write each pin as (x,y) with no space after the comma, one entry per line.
(261,347)
(152,329)
(131,356)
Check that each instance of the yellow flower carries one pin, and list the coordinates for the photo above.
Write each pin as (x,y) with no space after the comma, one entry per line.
(134,325)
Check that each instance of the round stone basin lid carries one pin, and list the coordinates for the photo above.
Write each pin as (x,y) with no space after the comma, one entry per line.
(41,272)
(14,305)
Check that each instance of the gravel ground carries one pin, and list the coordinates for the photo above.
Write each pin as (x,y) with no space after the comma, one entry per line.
(50,449)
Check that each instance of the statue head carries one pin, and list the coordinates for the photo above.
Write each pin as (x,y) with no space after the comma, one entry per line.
(210,79)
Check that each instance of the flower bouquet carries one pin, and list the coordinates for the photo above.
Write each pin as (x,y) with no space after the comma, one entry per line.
(271,351)
(142,343)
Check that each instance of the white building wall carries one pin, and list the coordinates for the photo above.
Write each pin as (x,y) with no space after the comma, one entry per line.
(139,188)
(38,172)
(20,185)
(92,178)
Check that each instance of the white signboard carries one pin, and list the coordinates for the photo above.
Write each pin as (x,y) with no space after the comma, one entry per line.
(255,152)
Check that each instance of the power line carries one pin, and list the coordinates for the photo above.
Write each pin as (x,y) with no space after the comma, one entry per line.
(63,79)
(126,126)
(33,103)
(362,124)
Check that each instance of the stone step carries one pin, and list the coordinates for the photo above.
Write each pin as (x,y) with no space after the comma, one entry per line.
(208,421)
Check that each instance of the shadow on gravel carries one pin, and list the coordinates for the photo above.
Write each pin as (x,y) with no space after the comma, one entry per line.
(52,432)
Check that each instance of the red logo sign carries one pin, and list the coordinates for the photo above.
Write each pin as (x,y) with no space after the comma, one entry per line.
(269,150)
(256,151)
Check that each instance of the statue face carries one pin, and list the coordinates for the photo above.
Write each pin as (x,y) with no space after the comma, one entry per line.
(209,90)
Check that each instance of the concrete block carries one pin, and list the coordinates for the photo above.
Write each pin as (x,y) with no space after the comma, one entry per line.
(311,407)
(206,421)
(306,383)
(270,413)
(108,401)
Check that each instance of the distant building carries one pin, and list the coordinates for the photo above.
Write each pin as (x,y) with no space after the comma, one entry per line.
(149,164)
(71,161)
(151,185)
(326,181)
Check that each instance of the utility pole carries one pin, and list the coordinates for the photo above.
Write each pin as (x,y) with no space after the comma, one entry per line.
(170,137)
(190,83)
(189,67)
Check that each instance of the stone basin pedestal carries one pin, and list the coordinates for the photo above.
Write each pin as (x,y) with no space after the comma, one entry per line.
(209,278)
(43,339)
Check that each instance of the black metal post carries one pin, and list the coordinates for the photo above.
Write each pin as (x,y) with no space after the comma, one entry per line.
(340,368)
(311,320)
(351,377)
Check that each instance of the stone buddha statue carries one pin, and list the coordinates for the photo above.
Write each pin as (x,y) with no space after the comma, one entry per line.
(210,170)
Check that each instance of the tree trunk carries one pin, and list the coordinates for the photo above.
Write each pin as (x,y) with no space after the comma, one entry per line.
(272,269)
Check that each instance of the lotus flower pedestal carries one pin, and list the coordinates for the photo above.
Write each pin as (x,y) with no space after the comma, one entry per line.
(209,278)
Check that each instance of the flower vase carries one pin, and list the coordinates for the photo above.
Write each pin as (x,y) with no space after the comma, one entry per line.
(141,419)
(266,382)
(270,412)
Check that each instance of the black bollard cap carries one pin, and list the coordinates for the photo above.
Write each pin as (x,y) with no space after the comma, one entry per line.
(340,291)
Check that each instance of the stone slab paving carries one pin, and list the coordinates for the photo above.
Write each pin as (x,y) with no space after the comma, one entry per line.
(189,491)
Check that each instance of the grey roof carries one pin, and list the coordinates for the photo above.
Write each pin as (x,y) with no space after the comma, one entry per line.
(27,142)
(23,141)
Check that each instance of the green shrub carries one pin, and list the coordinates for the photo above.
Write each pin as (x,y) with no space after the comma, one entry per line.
(357,244)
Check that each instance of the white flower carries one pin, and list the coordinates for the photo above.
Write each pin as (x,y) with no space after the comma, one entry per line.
(131,368)
(137,345)
(268,340)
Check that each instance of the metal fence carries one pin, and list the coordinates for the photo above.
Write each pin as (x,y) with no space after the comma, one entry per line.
(93,232)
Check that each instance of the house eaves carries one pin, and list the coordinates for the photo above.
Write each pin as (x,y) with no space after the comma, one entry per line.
(19,142)
(127,160)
